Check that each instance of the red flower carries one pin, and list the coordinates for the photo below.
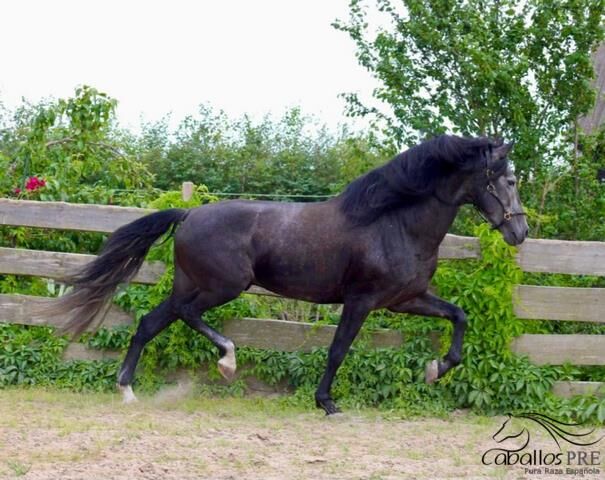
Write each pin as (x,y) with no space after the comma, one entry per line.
(34,183)
(17,191)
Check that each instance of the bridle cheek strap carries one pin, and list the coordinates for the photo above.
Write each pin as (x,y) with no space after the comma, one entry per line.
(507,216)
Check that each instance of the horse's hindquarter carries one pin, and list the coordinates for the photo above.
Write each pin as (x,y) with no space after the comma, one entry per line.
(212,246)
(293,249)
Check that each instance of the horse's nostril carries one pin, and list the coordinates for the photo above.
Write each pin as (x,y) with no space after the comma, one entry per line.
(526,233)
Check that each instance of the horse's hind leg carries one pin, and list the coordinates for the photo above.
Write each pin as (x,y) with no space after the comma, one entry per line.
(203,285)
(151,324)
(191,313)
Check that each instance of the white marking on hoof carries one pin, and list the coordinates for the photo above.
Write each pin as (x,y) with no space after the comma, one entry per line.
(227,364)
(128,395)
(431,372)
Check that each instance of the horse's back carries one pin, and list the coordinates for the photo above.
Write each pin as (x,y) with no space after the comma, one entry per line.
(251,218)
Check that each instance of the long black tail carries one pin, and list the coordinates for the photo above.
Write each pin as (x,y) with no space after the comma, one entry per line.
(119,261)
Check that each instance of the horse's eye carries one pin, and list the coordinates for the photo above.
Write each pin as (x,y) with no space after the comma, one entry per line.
(511,183)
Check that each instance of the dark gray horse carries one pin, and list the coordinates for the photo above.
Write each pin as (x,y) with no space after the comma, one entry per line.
(374,246)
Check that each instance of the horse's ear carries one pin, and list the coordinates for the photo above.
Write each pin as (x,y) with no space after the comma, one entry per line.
(500,152)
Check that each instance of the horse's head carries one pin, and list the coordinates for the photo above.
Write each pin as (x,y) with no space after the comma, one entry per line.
(495,194)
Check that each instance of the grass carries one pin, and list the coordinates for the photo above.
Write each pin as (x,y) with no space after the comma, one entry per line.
(18,468)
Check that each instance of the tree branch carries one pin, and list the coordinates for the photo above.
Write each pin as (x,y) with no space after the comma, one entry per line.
(62,141)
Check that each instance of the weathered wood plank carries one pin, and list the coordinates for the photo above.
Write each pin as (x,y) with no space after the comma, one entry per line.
(456,246)
(567,389)
(271,334)
(26,310)
(254,290)
(262,333)
(295,336)
(38,263)
(578,349)
(67,216)
(79,351)
(559,303)
(561,256)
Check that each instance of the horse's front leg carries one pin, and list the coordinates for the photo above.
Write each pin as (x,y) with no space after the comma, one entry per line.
(430,305)
(353,316)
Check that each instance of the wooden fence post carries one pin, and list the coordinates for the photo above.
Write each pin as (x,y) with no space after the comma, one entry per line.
(187,190)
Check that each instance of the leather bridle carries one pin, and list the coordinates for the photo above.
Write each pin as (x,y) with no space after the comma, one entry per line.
(507,215)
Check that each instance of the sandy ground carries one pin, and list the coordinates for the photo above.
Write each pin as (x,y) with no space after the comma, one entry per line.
(61,435)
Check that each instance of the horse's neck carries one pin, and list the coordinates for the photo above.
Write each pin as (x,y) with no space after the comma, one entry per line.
(426,223)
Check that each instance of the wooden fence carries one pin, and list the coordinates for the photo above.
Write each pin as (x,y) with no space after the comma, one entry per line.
(530,302)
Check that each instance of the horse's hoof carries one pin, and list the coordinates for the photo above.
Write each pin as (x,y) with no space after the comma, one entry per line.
(329,407)
(128,395)
(431,372)
(227,364)
(226,367)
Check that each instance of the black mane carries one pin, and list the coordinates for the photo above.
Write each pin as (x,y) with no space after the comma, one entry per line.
(410,176)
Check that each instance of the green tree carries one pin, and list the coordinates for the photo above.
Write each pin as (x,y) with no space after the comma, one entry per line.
(73,145)
(505,68)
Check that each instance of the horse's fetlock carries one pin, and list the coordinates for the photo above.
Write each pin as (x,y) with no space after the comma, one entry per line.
(454,358)
(229,347)
(321,397)
(128,395)
(459,317)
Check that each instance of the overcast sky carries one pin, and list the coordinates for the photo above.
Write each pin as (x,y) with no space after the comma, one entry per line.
(160,56)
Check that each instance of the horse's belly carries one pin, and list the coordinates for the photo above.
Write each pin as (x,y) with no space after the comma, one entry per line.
(315,280)
(297,292)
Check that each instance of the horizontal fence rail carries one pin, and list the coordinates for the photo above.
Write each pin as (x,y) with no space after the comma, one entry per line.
(559,256)
(560,303)
(569,389)
(271,334)
(578,349)
(67,216)
(29,310)
(58,265)
(529,302)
